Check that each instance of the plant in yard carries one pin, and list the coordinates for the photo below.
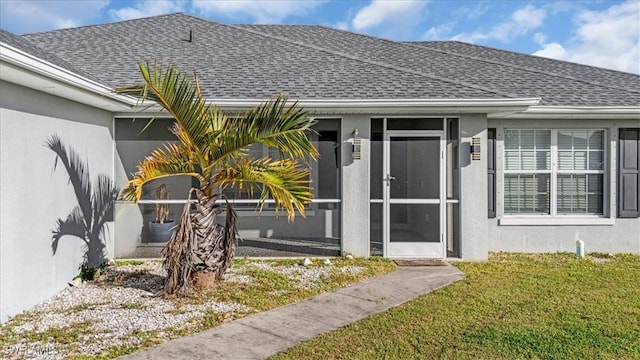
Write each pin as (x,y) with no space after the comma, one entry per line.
(213,148)
(95,205)
(161,229)
(87,272)
(162,210)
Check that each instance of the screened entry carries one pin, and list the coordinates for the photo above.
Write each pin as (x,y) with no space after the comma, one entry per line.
(265,233)
(414,196)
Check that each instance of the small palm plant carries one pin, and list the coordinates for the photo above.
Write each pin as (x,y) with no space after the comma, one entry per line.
(162,209)
(161,229)
(213,148)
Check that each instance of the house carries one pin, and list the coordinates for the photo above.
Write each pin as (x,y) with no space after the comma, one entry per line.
(428,149)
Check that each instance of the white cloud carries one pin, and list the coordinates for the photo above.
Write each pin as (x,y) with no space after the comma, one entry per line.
(379,12)
(553,50)
(475,12)
(260,11)
(29,16)
(439,32)
(609,38)
(521,22)
(340,25)
(539,38)
(147,8)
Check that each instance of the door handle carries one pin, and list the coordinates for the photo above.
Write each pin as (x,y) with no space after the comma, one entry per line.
(388,179)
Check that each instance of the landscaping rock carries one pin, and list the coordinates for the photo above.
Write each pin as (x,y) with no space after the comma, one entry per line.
(75,282)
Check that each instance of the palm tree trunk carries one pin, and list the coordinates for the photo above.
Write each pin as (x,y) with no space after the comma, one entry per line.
(201,250)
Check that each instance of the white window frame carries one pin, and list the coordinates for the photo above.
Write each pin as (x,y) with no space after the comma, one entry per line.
(553,218)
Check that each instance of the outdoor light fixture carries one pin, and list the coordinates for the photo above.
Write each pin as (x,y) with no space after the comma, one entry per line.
(475,148)
(356,152)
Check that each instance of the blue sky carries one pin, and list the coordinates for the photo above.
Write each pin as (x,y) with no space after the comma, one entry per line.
(603,33)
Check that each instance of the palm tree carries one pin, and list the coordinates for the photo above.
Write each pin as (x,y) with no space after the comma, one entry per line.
(213,148)
(95,205)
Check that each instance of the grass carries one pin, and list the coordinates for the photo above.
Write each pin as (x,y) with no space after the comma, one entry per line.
(128,262)
(515,306)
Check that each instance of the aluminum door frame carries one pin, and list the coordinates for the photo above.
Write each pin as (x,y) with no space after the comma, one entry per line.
(386,193)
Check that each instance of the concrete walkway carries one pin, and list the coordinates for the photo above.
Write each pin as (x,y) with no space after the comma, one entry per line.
(267,333)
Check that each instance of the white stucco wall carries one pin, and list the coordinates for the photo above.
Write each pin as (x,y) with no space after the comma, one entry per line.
(33,195)
(617,236)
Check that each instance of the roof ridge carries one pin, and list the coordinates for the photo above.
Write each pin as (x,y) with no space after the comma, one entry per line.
(417,44)
(103,24)
(383,64)
(538,56)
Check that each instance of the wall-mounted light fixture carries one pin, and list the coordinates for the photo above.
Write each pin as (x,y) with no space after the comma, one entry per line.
(475,148)
(356,152)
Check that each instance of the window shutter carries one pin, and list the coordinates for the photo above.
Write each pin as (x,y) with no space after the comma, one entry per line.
(491,171)
(628,176)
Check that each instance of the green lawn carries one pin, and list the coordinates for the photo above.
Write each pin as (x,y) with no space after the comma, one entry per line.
(515,306)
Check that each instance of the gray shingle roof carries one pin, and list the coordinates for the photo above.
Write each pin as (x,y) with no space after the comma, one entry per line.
(591,74)
(316,62)
(27,47)
(513,74)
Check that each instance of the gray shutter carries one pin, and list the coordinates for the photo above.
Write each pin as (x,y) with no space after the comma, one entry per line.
(628,176)
(491,172)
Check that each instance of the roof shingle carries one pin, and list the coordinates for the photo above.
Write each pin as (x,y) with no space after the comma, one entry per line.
(316,62)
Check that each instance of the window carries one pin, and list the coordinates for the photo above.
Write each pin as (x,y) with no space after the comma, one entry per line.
(554,172)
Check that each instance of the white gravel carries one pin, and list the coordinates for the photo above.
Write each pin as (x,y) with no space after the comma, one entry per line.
(125,302)
(306,277)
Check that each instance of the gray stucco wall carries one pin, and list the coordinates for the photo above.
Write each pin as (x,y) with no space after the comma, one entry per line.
(622,237)
(34,196)
(355,187)
(618,236)
(474,244)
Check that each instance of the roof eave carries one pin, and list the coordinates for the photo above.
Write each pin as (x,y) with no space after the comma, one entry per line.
(381,106)
(576,112)
(24,69)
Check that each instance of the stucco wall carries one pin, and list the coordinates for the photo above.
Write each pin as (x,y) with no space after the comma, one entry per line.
(34,195)
(623,236)
(474,244)
(619,235)
(355,187)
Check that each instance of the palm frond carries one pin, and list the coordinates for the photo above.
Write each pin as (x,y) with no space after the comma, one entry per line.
(207,130)
(176,93)
(283,127)
(172,160)
(272,124)
(284,180)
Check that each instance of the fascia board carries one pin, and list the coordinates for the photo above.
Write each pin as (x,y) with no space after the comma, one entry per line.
(27,70)
(380,106)
(575,112)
